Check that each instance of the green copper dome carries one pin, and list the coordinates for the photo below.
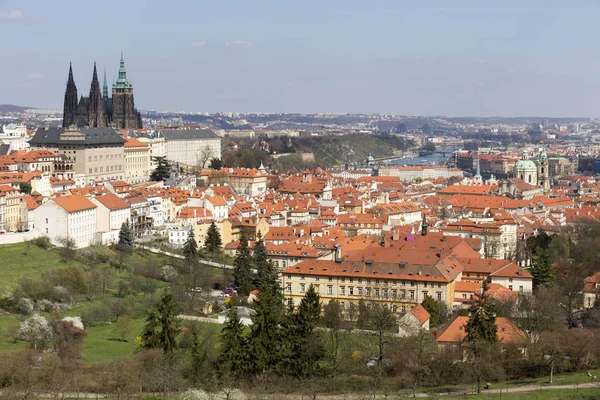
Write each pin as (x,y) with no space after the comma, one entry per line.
(525,165)
(122,82)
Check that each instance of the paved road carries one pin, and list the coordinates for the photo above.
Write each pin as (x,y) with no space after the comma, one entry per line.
(168,254)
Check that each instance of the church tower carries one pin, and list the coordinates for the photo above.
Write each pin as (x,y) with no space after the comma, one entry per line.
(543,173)
(70,105)
(124,114)
(97,116)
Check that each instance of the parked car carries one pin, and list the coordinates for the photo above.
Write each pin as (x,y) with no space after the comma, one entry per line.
(223,295)
(230,292)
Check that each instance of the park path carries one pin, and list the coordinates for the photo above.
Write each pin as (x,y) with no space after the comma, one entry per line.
(352,396)
(178,256)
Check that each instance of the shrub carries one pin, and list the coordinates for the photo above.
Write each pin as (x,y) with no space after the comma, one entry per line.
(168,273)
(42,242)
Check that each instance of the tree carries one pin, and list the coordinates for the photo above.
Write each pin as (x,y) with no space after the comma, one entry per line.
(123,327)
(162,326)
(212,243)
(215,163)
(363,314)
(233,355)
(68,333)
(125,235)
(383,321)
(265,336)
(433,308)
(301,353)
(190,248)
(25,187)
(333,321)
(204,157)
(265,269)
(68,247)
(242,267)
(541,268)
(36,330)
(162,170)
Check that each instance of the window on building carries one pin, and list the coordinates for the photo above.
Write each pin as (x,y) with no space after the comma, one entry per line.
(510,287)
(395,308)
(412,294)
(330,279)
(329,289)
(425,294)
(351,291)
(301,277)
(439,296)
(403,309)
(368,291)
(376,292)
(412,283)
(360,291)
(289,287)
(521,289)
(302,288)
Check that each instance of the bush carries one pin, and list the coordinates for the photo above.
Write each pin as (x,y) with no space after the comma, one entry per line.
(97,314)
(42,242)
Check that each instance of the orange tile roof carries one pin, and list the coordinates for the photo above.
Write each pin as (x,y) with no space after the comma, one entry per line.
(454,332)
(420,313)
(133,142)
(112,202)
(74,203)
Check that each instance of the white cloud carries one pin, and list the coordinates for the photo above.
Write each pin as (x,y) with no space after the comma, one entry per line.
(35,75)
(12,15)
(200,43)
(241,44)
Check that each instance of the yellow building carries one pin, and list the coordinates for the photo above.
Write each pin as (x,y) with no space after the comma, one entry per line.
(10,209)
(137,161)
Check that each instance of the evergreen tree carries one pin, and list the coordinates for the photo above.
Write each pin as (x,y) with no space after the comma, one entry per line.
(190,248)
(300,349)
(265,269)
(162,170)
(242,267)
(541,268)
(265,337)
(162,326)
(125,235)
(215,163)
(212,243)
(25,187)
(481,327)
(233,355)
(433,308)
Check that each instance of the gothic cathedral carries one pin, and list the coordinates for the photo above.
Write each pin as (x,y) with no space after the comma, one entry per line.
(98,110)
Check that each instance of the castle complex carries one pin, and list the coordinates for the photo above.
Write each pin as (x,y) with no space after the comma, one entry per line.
(98,110)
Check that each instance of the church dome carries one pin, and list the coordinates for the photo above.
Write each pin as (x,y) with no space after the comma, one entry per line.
(523,165)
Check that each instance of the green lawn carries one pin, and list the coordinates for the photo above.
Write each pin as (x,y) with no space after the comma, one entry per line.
(546,394)
(102,344)
(14,264)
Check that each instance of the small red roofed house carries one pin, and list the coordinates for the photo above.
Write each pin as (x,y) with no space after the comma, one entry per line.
(454,333)
(414,321)
(591,290)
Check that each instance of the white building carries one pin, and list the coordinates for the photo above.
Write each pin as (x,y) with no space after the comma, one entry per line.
(191,146)
(72,217)
(111,213)
(15,136)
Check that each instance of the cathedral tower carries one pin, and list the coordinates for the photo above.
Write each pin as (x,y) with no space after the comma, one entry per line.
(97,115)
(70,105)
(124,114)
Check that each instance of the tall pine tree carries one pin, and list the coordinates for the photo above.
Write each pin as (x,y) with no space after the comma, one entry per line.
(233,360)
(301,349)
(125,235)
(162,170)
(266,271)
(190,247)
(541,267)
(162,326)
(242,267)
(265,337)
(212,243)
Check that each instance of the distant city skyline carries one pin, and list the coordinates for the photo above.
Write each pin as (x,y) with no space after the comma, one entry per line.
(387,57)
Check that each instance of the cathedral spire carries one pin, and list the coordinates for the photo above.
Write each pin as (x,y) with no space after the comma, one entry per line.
(122,82)
(105,87)
(70,80)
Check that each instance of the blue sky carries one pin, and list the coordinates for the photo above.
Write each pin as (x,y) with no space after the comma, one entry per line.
(454,58)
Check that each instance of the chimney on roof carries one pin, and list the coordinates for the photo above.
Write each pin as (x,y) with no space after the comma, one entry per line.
(424,226)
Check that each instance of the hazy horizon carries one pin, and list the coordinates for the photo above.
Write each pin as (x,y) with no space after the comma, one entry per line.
(386,57)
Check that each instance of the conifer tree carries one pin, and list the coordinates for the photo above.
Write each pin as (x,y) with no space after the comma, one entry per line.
(433,308)
(162,170)
(190,247)
(265,269)
(212,243)
(162,326)
(125,235)
(265,337)
(541,268)
(233,354)
(242,267)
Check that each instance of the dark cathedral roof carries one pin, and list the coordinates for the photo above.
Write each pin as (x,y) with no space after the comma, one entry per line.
(49,136)
(187,134)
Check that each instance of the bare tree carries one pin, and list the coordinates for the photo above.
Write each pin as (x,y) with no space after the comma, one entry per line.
(68,247)
(204,157)
(383,322)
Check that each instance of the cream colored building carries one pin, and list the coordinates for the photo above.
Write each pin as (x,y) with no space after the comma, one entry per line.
(157,145)
(10,209)
(95,153)
(111,212)
(72,217)
(137,161)
(191,146)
